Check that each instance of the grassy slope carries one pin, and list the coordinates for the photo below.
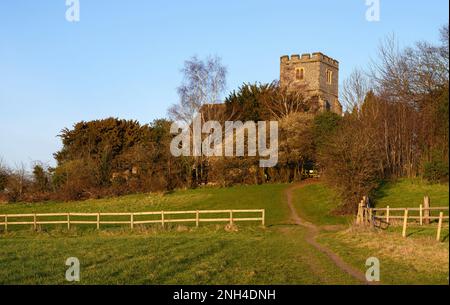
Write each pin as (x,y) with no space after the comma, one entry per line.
(415,260)
(241,197)
(410,193)
(207,255)
(402,261)
(316,203)
(210,255)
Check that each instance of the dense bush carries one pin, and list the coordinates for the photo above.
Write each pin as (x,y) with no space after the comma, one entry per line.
(436,171)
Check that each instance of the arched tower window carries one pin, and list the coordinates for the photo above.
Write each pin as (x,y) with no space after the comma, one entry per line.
(300,74)
(329,76)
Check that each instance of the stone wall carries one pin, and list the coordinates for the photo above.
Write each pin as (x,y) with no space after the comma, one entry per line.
(314,82)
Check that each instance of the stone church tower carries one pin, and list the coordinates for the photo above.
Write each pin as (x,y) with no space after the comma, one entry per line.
(317,75)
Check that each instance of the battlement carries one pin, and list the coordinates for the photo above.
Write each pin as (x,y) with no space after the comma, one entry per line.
(314,74)
(317,56)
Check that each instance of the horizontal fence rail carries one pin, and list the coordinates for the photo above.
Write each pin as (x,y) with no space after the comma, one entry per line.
(389,216)
(131,218)
(387,213)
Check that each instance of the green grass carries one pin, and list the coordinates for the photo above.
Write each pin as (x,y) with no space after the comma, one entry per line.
(410,261)
(211,254)
(205,256)
(410,193)
(418,259)
(316,203)
(277,254)
(417,231)
(240,197)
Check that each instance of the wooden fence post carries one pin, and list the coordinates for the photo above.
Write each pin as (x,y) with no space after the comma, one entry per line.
(426,207)
(441,216)
(387,215)
(405,223)
(364,204)
(67,215)
(421,214)
(364,215)
(371,222)
(359,214)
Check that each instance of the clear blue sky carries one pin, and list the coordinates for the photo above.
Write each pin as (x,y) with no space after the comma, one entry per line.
(123,58)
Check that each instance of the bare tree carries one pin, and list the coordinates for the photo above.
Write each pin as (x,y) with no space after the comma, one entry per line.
(203,84)
(17,183)
(389,71)
(404,75)
(282,102)
(200,94)
(354,90)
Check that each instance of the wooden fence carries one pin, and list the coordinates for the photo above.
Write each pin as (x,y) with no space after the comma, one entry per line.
(132,219)
(391,216)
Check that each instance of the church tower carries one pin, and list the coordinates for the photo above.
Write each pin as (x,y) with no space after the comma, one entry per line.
(317,75)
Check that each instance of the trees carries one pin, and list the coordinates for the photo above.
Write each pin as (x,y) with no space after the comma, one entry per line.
(352,159)
(41,178)
(325,127)
(204,82)
(296,146)
(4,173)
(414,82)
(17,184)
(354,89)
(399,129)
(99,143)
(249,102)
(93,154)
(396,125)
(259,102)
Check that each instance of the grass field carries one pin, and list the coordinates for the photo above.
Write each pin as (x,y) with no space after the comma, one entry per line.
(316,202)
(410,193)
(241,197)
(277,254)
(418,259)
(212,254)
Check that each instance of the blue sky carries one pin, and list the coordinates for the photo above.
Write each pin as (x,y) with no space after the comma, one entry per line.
(123,58)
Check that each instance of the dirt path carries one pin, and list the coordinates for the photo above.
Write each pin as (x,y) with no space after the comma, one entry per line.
(313,231)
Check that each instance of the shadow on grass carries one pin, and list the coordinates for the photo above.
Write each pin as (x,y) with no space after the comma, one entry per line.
(275,225)
(382,190)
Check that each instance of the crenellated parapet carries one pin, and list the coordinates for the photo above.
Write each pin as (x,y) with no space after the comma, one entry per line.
(316,75)
(307,57)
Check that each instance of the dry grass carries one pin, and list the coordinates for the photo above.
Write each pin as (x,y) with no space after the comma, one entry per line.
(424,253)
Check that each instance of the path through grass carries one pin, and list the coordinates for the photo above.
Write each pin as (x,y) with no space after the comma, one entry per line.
(277,254)
(418,259)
